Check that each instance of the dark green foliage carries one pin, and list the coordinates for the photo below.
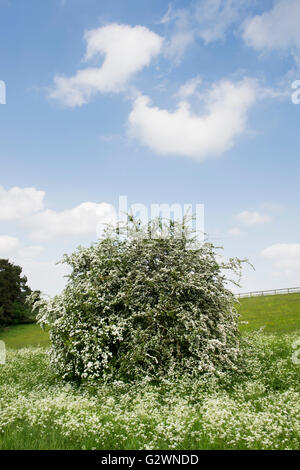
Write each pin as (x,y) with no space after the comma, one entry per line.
(13,293)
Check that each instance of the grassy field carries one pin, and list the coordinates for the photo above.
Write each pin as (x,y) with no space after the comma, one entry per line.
(277,313)
(22,336)
(255,407)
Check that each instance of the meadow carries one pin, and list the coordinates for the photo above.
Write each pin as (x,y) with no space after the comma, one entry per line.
(275,313)
(255,407)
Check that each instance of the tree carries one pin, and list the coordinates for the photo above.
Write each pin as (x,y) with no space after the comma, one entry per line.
(13,293)
(153,302)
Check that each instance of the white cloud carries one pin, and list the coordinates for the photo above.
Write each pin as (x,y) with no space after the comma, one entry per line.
(17,203)
(168,16)
(276,29)
(30,252)
(182,34)
(285,255)
(11,247)
(42,275)
(252,218)
(181,132)
(189,88)
(206,19)
(8,245)
(177,45)
(45,276)
(126,49)
(80,220)
(215,17)
(87,218)
(235,231)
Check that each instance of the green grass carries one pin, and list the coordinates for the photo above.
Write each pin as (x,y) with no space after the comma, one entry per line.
(22,336)
(277,313)
(257,408)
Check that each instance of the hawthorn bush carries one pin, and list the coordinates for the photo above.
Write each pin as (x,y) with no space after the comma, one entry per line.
(150,303)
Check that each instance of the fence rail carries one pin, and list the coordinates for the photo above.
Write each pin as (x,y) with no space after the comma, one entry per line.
(287,290)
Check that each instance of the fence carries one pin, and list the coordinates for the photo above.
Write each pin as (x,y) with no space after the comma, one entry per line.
(288,290)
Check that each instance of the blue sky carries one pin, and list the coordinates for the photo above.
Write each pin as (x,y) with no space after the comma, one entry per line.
(180,102)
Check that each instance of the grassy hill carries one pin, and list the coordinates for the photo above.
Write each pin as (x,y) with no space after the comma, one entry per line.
(277,313)
(20,336)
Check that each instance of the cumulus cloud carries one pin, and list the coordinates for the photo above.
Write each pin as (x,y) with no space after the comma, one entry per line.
(44,225)
(86,218)
(10,247)
(277,28)
(46,276)
(30,252)
(126,51)
(285,255)
(252,218)
(42,275)
(16,203)
(182,132)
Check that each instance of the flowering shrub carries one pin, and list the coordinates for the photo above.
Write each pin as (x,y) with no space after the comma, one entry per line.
(153,301)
